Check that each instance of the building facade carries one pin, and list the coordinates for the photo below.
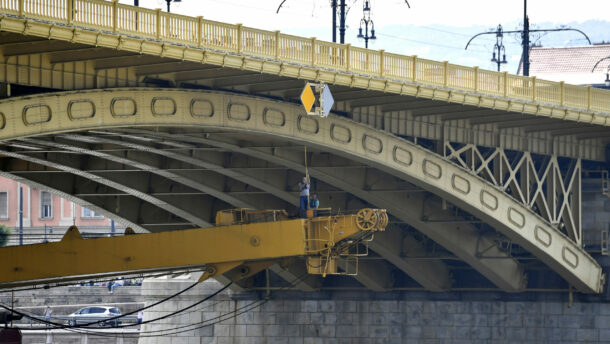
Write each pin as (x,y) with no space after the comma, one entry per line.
(45,215)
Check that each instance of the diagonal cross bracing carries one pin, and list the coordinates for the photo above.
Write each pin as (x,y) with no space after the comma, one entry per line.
(553,194)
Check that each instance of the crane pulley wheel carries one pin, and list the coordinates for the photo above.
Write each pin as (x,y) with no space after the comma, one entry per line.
(383,219)
(367,219)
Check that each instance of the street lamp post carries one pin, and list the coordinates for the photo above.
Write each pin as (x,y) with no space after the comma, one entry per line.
(525,38)
(607,81)
(525,41)
(367,21)
(169,2)
(499,49)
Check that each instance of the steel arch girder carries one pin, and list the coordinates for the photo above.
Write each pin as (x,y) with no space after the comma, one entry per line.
(308,285)
(461,239)
(156,168)
(133,212)
(432,275)
(376,276)
(148,166)
(198,161)
(398,157)
(194,219)
(293,272)
(96,208)
(367,274)
(83,203)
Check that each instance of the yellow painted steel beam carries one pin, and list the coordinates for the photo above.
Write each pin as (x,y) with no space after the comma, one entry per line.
(221,249)
(210,42)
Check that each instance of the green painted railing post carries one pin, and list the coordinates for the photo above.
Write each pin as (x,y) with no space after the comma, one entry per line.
(20,7)
(505,86)
(589,97)
(561,93)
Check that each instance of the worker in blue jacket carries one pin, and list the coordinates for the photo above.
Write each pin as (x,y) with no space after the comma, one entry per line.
(314,203)
(303,196)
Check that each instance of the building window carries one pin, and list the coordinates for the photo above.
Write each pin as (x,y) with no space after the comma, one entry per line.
(46,205)
(3,205)
(88,213)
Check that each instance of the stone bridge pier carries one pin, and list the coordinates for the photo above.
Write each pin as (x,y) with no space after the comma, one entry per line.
(366,317)
(408,316)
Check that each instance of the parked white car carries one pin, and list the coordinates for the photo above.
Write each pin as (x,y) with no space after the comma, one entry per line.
(95,313)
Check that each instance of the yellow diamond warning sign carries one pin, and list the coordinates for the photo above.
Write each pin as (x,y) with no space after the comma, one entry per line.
(307,98)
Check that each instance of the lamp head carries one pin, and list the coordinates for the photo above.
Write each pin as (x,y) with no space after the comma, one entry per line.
(367,8)
(360,35)
(373,34)
(493,57)
(499,35)
(607,81)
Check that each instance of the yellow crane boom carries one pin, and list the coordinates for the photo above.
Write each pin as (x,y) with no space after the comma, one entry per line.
(237,240)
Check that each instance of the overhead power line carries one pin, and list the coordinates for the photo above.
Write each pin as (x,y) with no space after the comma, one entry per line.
(85,328)
(428,42)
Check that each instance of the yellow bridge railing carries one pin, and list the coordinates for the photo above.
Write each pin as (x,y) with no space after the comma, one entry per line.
(199,32)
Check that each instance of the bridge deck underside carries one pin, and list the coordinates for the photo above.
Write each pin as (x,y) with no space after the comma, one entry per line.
(162,159)
(33,64)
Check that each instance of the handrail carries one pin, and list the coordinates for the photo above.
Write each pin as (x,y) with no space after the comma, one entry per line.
(125,19)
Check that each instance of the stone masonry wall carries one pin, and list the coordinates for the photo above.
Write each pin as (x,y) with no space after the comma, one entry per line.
(397,318)
(595,212)
(375,318)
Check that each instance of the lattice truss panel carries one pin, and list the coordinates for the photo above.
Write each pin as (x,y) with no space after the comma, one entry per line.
(548,185)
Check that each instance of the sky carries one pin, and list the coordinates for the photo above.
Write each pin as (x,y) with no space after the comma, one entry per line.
(434,29)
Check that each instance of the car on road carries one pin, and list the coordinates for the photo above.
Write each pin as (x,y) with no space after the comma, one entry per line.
(93,314)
